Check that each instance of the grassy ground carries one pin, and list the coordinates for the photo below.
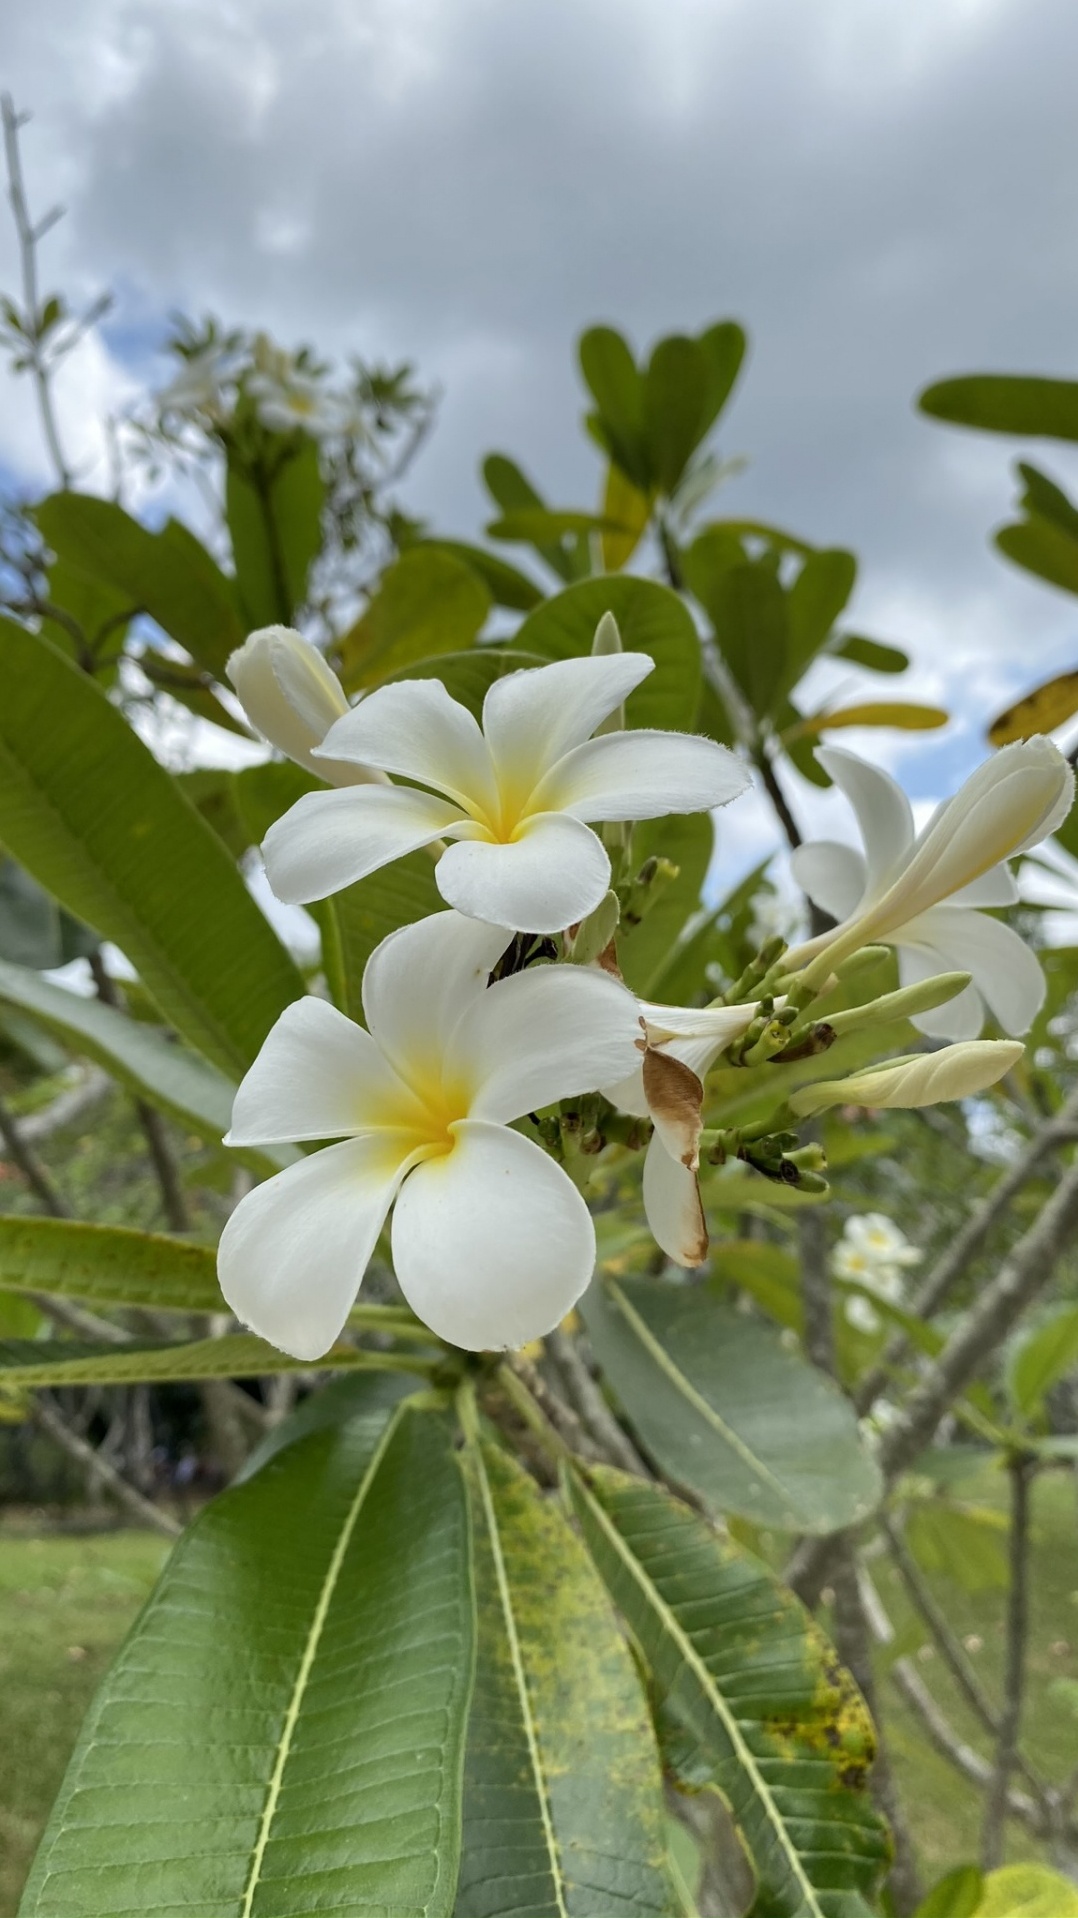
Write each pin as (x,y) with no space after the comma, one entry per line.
(65,1603)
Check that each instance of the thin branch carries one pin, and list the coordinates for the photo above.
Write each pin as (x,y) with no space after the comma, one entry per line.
(75,1318)
(1022,1469)
(29,236)
(33,1171)
(47,1414)
(816,1286)
(587,1401)
(170,1185)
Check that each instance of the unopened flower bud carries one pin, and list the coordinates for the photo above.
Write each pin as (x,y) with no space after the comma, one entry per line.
(293,698)
(925,996)
(923,1079)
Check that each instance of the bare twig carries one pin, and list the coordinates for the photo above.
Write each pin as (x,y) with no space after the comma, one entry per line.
(29,235)
(587,1401)
(85,1325)
(33,1171)
(65,1108)
(46,1413)
(1022,1468)
(816,1286)
(170,1185)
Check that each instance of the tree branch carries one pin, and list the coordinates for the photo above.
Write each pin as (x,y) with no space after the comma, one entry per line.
(33,1171)
(170,1185)
(1022,1469)
(46,1413)
(591,1408)
(28,237)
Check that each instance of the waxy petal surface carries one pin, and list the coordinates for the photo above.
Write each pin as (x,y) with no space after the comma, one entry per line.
(672,1204)
(552,875)
(421,980)
(642,775)
(328,840)
(546,1034)
(317,1076)
(419,731)
(533,718)
(883,811)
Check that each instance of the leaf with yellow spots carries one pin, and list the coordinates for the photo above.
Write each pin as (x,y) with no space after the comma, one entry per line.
(563,1809)
(1040,711)
(751,1700)
(904,714)
(626,511)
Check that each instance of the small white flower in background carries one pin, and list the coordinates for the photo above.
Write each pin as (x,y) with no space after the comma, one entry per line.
(196,387)
(921,1079)
(666,1085)
(920,891)
(492,1242)
(878,1239)
(873,1251)
(297,400)
(292,698)
(516,793)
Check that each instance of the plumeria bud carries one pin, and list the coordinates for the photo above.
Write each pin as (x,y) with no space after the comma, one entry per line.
(923,1079)
(608,640)
(903,1004)
(293,698)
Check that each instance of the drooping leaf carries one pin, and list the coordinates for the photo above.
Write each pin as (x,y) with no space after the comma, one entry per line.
(871,653)
(274,513)
(651,619)
(108,1265)
(427,602)
(814,602)
(283,1730)
(751,1697)
(1042,548)
(1041,711)
(1045,1354)
(236,1355)
(562,1787)
(168,574)
(727,1410)
(676,392)
(1029,406)
(645,951)
(87,809)
(903,714)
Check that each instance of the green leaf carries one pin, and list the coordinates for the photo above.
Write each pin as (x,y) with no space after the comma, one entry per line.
(676,391)
(512,490)
(355,1395)
(645,951)
(958,1895)
(901,713)
(1041,547)
(727,1410)
(749,614)
(469,676)
(562,1789)
(543,525)
(1041,495)
(189,686)
(212,791)
(651,619)
(1029,406)
(427,602)
(283,1729)
(1027,1891)
(611,375)
(237,1355)
(966,1543)
(168,575)
(871,653)
(723,347)
(34,930)
(274,513)
(506,584)
(87,809)
(108,1265)
(101,612)
(752,1700)
(815,600)
(1045,1354)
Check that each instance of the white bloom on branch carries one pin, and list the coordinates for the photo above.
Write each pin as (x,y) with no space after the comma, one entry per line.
(292,697)
(682,1043)
(196,386)
(920,891)
(873,1252)
(923,1079)
(492,1242)
(516,794)
(298,401)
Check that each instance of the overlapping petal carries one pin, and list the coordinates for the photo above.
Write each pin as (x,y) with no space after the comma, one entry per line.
(531,719)
(294,1251)
(328,840)
(493,1244)
(419,731)
(552,874)
(546,1034)
(835,876)
(1005,972)
(318,1076)
(420,981)
(642,775)
(883,811)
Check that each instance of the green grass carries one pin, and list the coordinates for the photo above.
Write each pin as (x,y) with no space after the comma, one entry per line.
(65,1604)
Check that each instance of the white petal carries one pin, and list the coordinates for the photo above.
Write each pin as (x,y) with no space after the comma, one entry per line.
(834,875)
(493,1243)
(418,730)
(996,887)
(294,1251)
(1006,973)
(628,1094)
(642,775)
(421,980)
(532,718)
(672,1204)
(552,875)
(883,811)
(318,1076)
(543,1035)
(328,840)
(719,1024)
(962,1017)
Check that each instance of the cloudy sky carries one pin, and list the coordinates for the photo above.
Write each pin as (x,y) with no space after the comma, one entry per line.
(882,191)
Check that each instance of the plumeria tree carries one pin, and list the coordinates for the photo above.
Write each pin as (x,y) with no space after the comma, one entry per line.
(512,1613)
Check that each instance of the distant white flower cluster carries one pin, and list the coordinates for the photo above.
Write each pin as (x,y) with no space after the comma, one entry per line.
(874,1252)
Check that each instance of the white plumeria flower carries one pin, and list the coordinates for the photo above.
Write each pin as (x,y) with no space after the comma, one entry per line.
(681,1045)
(196,387)
(297,401)
(877,1238)
(516,793)
(292,697)
(851,1260)
(920,1079)
(920,891)
(492,1242)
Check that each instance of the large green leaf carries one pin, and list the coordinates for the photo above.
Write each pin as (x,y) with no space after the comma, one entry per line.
(238,1355)
(506,584)
(367,1395)
(34,930)
(427,602)
(752,1699)
(1029,406)
(723,347)
(562,1787)
(274,511)
(282,1734)
(1046,1354)
(676,393)
(87,809)
(749,614)
(512,490)
(645,951)
(107,1265)
(612,376)
(727,1410)
(168,575)
(813,603)
(1041,547)
(651,619)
